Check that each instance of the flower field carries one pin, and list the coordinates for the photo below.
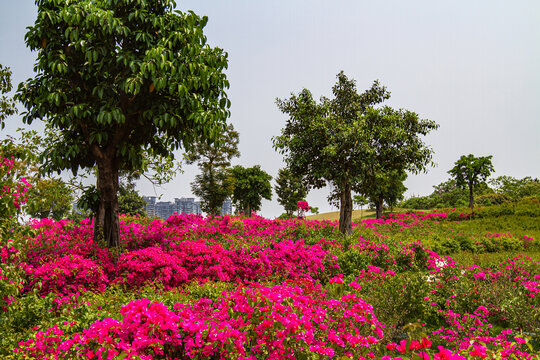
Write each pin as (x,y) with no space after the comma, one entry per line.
(445,285)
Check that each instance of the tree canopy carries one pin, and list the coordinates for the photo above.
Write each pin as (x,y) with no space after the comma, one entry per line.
(214,184)
(470,171)
(289,189)
(347,142)
(251,185)
(117,80)
(7,105)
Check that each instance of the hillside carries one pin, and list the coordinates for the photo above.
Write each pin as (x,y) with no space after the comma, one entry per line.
(334,215)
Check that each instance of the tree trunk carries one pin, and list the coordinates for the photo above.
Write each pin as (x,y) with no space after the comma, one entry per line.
(106,224)
(471,197)
(247,210)
(345,210)
(379,207)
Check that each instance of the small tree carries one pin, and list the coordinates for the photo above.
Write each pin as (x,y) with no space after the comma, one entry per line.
(289,190)
(385,187)
(49,198)
(251,185)
(516,188)
(215,183)
(360,201)
(470,171)
(130,202)
(7,105)
(116,80)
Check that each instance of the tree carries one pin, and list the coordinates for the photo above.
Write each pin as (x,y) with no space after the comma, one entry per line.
(7,105)
(46,197)
(516,188)
(360,200)
(49,198)
(130,202)
(215,183)
(251,185)
(116,80)
(386,187)
(289,190)
(470,171)
(346,142)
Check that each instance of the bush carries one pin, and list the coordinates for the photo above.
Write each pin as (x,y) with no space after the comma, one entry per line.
(69,274)
(148,265)
(492,199)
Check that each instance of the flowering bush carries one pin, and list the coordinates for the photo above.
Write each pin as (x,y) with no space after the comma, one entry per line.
(241,325)
(13,190)
(138,267)
(303,205)
(219,297)
(70,273)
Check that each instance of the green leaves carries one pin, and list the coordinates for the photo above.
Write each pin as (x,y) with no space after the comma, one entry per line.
(251,185)
(117,79)
(7,105)
(469,171)
(348,142)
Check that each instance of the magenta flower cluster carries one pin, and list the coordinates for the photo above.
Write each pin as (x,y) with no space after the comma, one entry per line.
(250,322)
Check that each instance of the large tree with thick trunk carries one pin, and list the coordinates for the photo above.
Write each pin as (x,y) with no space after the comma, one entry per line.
(348,143)
(117,79)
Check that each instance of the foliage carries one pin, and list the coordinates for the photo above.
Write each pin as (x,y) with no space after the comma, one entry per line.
(289,190)
(117,80)
(251,185)
(469,171)
(215,184)
(49,198)
(250,288)
(445,195)
(348,143)
(7,105)
(360,201)
(130,202)
(516,188)
(491,199)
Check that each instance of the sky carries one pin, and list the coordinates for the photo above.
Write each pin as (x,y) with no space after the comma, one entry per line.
(471,66)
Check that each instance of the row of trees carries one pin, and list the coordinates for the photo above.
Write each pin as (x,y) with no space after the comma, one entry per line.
(495,191)
(122,84)
(219,181)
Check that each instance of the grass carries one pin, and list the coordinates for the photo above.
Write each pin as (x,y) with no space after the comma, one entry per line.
(334,215)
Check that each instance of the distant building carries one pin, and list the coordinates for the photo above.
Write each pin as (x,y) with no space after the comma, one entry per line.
(164,209)
(150,205)
(226,207)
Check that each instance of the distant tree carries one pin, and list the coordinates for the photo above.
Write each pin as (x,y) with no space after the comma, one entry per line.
(290,190)
(346,142)
(445,195)
(130,202)
(470,171)
(7,105)
(516,188)
(389,189)
(116,80)
(215,183)
(49,198)
(251,185)
(360,201)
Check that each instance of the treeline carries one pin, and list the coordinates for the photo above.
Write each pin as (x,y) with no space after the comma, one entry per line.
(497,191)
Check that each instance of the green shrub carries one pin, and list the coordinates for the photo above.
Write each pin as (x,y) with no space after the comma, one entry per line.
(492,199)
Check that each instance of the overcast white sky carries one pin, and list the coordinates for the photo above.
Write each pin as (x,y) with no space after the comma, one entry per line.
(471,66)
